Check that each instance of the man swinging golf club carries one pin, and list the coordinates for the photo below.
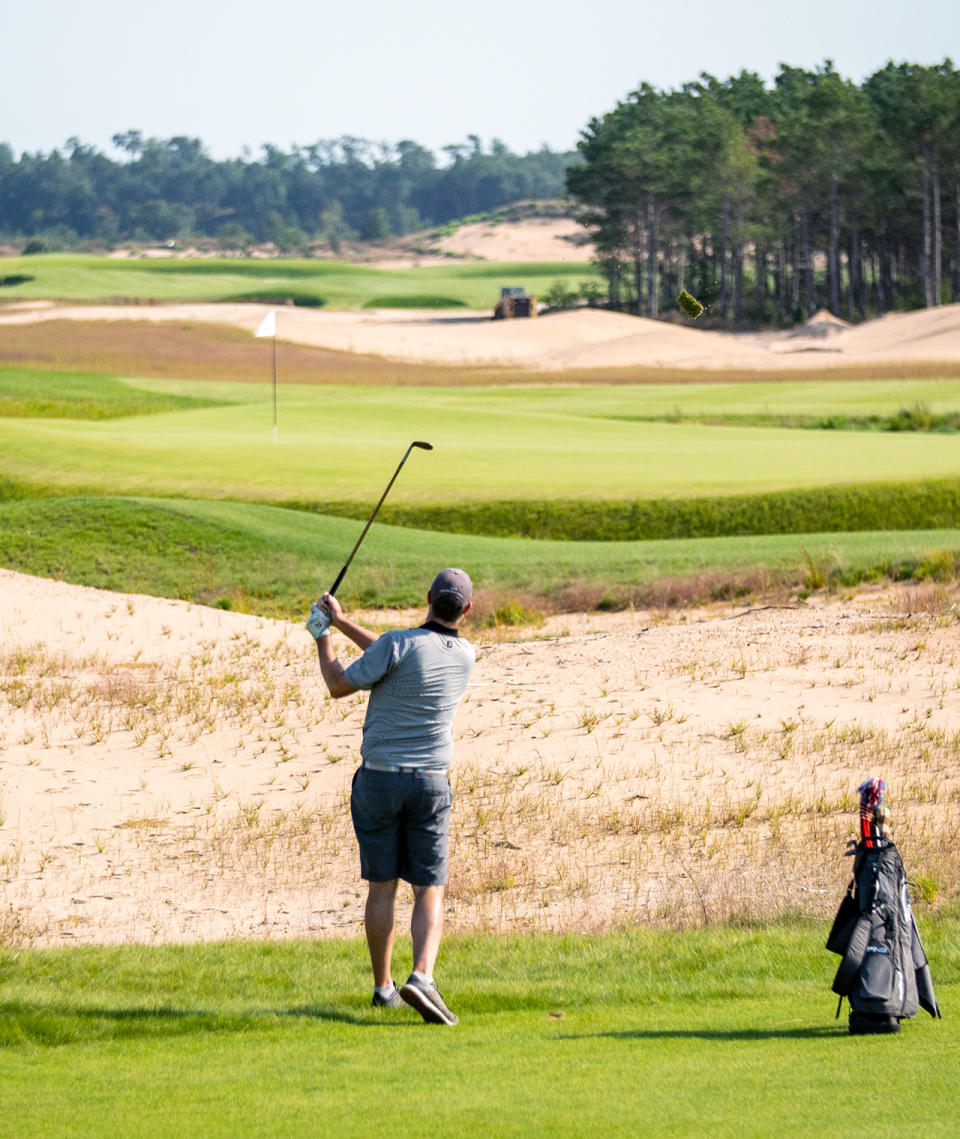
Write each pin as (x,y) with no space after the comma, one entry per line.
(401,798)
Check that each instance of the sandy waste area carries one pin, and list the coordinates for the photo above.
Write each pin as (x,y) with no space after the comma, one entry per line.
(585,338)
(170,772)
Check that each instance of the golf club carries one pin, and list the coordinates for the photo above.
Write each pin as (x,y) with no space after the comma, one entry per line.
(340,576)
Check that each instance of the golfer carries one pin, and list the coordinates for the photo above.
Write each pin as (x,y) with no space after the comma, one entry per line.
(401,793)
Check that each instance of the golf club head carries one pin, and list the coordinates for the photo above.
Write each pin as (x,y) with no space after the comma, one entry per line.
(423,446)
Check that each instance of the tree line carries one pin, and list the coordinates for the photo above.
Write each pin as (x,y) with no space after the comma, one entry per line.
(338,190)
(771,202)
(767,202)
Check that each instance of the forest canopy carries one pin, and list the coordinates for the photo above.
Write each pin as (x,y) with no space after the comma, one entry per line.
(770,202)
(337,189)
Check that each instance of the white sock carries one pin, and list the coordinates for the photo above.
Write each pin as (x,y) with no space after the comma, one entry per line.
(384,990)
(422,978)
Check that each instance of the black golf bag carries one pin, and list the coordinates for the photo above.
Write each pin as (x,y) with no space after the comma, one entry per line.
(884,972)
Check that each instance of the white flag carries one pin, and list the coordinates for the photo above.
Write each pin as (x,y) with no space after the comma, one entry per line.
(268,326)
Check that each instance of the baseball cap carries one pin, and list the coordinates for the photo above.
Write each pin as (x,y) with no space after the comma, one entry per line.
(455,587)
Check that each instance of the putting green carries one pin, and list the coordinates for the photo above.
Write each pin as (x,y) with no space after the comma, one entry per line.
(341,443)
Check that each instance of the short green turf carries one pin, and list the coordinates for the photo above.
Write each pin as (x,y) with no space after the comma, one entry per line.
(340,443)
(31,394)
(271,561)
(635,1032)
(92,279)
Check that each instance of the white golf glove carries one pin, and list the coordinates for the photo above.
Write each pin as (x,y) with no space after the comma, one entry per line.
(318,623)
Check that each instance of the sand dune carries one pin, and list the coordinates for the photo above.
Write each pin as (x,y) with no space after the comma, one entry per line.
(586,338)
(932,332)
(176,773)
(532,239)
(581,339)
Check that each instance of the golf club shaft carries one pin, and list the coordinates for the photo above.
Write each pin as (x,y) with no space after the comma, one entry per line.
(346,565)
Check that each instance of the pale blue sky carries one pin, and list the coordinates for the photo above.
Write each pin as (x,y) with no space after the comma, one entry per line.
(243,73)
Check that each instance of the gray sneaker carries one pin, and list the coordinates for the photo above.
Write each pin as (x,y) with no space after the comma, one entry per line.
(427,1001)
(393,1001)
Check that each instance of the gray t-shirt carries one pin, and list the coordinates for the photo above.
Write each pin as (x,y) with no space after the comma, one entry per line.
(416,678)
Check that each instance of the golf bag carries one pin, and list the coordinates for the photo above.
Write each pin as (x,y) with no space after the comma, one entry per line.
(884,972)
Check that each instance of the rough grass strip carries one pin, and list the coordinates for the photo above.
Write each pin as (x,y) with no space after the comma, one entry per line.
(923,505)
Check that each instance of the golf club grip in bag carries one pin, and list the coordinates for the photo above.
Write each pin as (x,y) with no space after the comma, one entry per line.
(884,972)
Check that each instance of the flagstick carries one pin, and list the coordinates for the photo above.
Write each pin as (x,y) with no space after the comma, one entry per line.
(268,327)
(275,387)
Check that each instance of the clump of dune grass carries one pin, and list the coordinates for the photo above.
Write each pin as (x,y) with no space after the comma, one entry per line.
(690,305)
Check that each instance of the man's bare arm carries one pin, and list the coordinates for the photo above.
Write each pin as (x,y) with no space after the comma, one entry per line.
(338,619)
(330,667)
(332,670)
(362,638)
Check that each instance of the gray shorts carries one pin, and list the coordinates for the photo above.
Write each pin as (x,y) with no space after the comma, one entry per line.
(402,823)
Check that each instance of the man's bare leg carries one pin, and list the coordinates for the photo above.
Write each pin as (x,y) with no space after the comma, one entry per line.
(378,921)
(426,927)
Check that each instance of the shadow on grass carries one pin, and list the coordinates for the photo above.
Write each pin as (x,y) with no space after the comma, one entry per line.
(23,1023)
(814,1032)
(369,1018)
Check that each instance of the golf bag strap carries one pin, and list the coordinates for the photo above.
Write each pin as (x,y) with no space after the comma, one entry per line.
(853,958)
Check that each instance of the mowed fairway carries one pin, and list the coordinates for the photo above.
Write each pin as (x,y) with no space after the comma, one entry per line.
(729,1031)
(327,284)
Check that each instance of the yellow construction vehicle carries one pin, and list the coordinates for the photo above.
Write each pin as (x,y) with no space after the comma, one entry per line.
(514,301)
